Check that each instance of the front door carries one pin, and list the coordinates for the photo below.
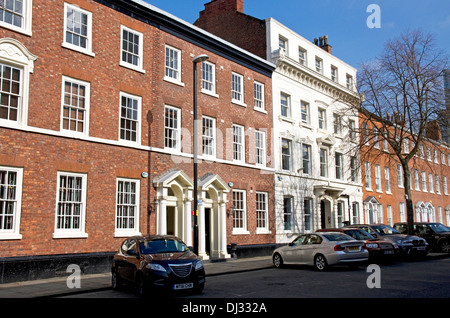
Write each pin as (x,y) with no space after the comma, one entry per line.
(208,231)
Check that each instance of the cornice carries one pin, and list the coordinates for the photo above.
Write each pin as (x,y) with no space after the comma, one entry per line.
(305,76)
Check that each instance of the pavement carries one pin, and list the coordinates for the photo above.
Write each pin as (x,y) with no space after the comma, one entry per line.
(56,287)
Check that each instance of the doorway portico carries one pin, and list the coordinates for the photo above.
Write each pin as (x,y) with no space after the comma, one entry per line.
(174,195)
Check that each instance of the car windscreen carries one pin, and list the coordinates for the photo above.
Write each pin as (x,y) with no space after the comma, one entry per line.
(438,227)
(162,246)
(334,237)
(385,229)
(359,234)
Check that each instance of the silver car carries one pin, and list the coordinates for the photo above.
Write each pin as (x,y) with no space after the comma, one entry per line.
(321,250)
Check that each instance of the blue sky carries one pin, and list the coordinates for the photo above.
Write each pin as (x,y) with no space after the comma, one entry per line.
(344,21)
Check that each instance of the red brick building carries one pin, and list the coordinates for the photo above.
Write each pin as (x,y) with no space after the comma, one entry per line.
(383,180)
(96,135)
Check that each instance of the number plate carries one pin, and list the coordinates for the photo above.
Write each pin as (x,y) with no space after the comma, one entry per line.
(421,248)
(353,248)
(183,286)
(389,252)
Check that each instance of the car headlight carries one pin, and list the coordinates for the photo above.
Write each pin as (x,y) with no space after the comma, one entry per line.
(198,265)
(372,245)
(156,267)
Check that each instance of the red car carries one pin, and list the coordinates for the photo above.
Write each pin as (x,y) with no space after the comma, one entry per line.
(378,249)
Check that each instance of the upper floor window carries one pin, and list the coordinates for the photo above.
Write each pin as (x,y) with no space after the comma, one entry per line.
(349,81)
(286,154)
(260,147)
(285,101)
(319,65)
(16,64)
(16,15)
(209,77)
(304,109)
(259,95)
(77,29)
(337,121)
(237,88)
(322,117)
(173,65)
(334,73)
(283,44)
(130,113)
(132,49)
(302,56)
(172,128)
(209,136)
(10,85)
(75,106)
(238,143)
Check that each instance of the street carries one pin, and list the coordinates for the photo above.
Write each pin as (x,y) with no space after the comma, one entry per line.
(401,279)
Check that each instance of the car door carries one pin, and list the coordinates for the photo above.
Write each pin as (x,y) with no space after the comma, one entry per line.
(294,251)
(310,247)
(130,261)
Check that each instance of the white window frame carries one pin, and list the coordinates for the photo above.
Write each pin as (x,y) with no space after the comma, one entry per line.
(378,178)
(305,112)
(368,176)
(27,15)
(308,208)
(175,69)
(14,232)
(238,143)
(387,179)
(87,86)
(339,165)
(260,148)
(322,118)
(287,155)
(139,67)
(323,162)
(89,39)
(302,60)
(209,78)
(438,184)
(416,180)
(241,208)
(237,89)
(400,176)
(318,66)
(334,74)
(176,128)
(262,212)
(424,181)
(14,54)
(286,106)
(307,160)
(210,135)
(259,96)
(288,215)
(127,231)
(138,100)
(72,232)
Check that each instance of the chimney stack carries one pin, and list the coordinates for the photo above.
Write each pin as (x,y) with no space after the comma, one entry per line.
(322,42)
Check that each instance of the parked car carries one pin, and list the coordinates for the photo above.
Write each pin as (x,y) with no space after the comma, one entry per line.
(436,234)
(321,250)
(378,249)
(159,261)
(407,244)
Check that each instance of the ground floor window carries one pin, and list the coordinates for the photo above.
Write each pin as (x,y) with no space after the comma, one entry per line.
(239,210)
(261,211)
(71,205)
(307,214)
(127,206)
(10,206)
(287,213)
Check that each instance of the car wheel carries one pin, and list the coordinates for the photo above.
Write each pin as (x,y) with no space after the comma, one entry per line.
(277,260)
(445,246)
(320,262)
(115,280)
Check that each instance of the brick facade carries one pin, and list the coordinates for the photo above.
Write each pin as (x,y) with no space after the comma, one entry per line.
(41,148)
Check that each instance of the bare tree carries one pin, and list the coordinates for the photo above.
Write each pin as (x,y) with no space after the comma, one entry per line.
(401,93)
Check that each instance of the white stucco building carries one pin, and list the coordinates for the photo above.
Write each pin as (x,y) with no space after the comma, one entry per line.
(317,179)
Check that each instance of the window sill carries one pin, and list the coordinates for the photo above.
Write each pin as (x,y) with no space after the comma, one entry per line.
(238,102)
(209,93)
(239,232)
(132,67)
(78,49)
(69,234)
(10,236)
(173,81)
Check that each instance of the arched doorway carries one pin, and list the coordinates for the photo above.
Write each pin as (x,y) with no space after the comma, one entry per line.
(325,214)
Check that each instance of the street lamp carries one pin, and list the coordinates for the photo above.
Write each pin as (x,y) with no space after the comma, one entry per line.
(198,59)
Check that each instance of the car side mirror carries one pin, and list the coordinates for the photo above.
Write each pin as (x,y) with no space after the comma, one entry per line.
(374,234)
(291,244)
